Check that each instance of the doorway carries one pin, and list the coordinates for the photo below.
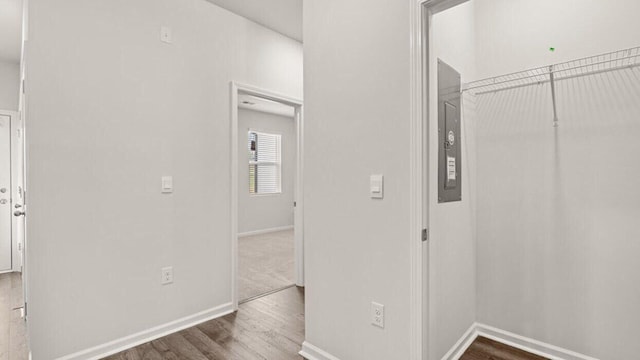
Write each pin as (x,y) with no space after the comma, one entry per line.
(12,301)
(266,196)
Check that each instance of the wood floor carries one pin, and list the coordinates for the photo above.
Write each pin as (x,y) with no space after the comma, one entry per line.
(486,349)
(265,263)
(268,328)
(13,336)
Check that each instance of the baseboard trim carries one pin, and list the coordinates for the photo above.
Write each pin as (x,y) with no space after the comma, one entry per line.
(462,344)
(311,352)
(265,231)
(508,338)
(530,345)
(113,347)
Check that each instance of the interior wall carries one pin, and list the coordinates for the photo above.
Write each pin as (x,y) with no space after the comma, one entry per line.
(9,85)
(556,214)
(357,116)
(110,110)
(556,217)
(452,245)
(268,211)
(515,35)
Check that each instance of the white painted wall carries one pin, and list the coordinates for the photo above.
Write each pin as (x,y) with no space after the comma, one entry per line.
(268,211)
(515,35)
(357,124)
(557,240)
(452,248)
(110,110)
(9,85)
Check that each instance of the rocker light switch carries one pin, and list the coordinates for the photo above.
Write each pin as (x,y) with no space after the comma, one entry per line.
(167,184)
(376,187)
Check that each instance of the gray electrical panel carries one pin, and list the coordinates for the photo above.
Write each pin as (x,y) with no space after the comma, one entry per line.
(449,153)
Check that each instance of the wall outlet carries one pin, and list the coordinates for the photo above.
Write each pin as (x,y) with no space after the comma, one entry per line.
(377,315)
(167,275)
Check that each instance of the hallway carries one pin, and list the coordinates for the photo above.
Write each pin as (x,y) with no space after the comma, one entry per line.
(271,327)
(13,342)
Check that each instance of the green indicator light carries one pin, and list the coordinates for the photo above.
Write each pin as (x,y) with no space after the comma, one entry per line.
(552,49)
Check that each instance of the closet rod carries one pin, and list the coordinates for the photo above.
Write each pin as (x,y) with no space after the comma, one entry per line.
(628,58)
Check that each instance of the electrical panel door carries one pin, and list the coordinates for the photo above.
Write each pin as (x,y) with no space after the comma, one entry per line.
(449,153)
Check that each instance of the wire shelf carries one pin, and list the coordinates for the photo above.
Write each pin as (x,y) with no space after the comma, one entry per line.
(627,58)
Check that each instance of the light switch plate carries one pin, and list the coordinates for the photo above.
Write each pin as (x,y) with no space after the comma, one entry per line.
(376,186)
(166,35)
(167,184)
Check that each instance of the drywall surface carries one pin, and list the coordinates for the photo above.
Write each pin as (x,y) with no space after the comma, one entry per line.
(357,124)
(515,35)
(558,211)
(452,248)
(9,85)
(111,109)
(268,211)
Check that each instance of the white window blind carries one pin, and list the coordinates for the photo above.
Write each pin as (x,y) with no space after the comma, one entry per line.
(264,163)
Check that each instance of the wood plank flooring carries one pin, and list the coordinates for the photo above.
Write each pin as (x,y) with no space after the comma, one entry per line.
(265,263)
(267,328)
(487,349)
(13,334)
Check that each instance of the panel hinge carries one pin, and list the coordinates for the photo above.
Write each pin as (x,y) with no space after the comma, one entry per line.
(294,204)
(425,234)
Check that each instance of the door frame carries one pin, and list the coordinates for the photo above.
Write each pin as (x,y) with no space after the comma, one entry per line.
(422,83)
(236,89)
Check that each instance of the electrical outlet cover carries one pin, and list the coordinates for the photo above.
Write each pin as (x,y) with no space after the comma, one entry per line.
(167,275)
(377,315)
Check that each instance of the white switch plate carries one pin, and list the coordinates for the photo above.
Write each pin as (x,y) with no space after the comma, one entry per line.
(377,314)
(376,186)
(166,35)
(167,275)
(167,184)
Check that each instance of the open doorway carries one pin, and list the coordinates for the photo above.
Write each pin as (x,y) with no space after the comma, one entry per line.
(13,340)
(266,193)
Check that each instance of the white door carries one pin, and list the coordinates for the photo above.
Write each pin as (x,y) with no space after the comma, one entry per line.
(5,193)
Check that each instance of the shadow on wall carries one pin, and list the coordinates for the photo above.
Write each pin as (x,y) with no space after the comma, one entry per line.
(557,212)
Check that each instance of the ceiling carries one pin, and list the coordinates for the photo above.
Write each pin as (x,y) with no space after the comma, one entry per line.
(10,30)
(283,16)
(254,103)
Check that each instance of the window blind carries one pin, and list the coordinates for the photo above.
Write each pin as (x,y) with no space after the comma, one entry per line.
(264,163)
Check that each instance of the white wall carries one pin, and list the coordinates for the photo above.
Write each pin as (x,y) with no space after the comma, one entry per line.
(357,124)
(515,35)
(110,110)
(269,211)
(557,249)
(452,248)
(9,85)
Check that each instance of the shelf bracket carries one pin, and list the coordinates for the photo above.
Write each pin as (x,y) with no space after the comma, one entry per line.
(552,81)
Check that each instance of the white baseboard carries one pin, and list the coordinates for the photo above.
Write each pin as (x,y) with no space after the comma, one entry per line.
(113,347)
(265,231)
(311,352)
(530,345)
(462,344)
(517,341)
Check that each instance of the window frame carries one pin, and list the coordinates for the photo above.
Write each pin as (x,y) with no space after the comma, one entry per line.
(277,164)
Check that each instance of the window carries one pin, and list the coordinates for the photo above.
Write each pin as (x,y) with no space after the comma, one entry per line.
(264,163)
